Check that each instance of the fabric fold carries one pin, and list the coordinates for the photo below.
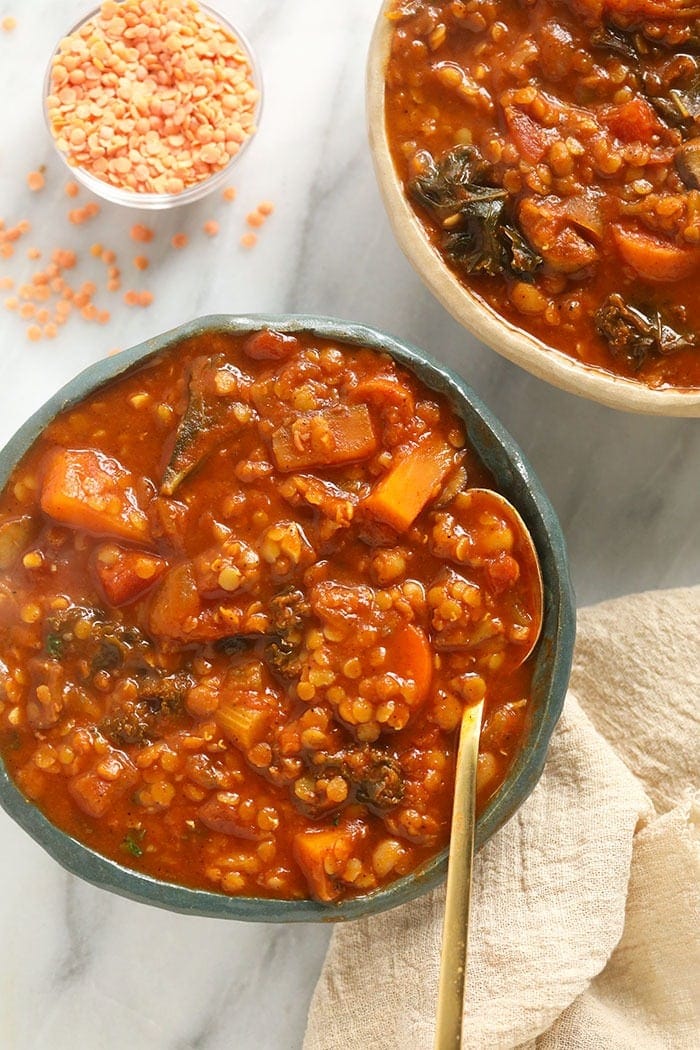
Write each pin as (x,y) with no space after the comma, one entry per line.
(586,904)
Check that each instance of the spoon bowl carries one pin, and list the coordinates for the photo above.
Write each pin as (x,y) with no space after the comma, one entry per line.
(506,528)
(527,605)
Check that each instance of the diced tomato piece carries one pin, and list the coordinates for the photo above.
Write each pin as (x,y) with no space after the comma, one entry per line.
(633,121)
(220,813)
(98,789)
(126,574)
(270,346)
(89,490)
(530,139)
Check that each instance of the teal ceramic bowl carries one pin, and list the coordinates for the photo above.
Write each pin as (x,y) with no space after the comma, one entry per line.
(515,479)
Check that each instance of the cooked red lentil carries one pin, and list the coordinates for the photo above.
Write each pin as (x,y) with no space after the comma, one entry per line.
(245,592)
(552,150)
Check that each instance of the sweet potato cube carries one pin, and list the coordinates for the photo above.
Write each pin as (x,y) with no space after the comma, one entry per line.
(126,574)
(409,655)
(176,603)
(325,439)
(88,490)
(413,480)
(321,855)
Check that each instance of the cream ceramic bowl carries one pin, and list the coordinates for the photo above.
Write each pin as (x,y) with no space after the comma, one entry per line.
(471,311)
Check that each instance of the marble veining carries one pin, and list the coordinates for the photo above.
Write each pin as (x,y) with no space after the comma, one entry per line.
(81,969)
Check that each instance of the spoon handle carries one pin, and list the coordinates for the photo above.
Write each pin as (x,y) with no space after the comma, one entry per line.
(453,961)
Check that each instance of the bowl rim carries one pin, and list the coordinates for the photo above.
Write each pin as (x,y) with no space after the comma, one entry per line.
(500,453)
(467,307)
(159,201)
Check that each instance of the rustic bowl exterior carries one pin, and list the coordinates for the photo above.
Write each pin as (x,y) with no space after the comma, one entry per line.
(516,481)
(466,307)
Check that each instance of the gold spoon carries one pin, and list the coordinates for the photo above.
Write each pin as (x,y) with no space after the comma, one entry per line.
(453,961)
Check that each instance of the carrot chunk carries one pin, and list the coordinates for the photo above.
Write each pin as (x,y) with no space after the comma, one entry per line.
(324,439)
(321,855)
(653,257)
(410,656)
(413,480)
(126,575)
(89,490)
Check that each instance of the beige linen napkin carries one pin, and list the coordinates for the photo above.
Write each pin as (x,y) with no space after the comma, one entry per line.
(586,905)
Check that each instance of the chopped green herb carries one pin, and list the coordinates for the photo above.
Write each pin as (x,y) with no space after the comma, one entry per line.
(133,840)
(54,646)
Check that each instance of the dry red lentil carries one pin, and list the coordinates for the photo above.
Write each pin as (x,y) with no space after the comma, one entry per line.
(141,233)
(36,180)
(253,685)
(164,97)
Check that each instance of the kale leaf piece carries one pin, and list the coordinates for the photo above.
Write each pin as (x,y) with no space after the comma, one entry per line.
(609,38)
(678,106)
(478,235)
(214,391)
(636,335)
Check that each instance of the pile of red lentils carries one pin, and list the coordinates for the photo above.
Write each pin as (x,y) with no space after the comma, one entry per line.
(138,31)
(151,96)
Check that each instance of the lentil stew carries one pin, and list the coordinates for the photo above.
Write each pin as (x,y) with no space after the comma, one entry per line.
(245,593)
(549,149)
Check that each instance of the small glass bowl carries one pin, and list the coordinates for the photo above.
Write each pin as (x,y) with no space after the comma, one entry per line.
(160,201)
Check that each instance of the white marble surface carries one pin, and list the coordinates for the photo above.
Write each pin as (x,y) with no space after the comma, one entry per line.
(78,967)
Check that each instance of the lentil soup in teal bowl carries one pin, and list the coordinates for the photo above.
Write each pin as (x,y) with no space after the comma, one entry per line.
(247,584)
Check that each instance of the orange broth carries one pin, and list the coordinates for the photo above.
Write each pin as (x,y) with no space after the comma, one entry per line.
(245,593)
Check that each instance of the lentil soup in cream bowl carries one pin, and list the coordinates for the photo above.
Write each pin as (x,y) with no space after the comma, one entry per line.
(251,571)
(540,165)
